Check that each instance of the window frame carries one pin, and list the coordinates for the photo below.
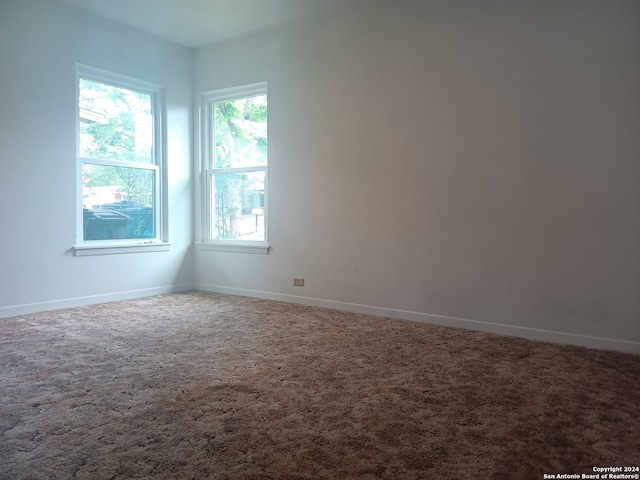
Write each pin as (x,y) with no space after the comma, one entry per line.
(208,170)
(157,165)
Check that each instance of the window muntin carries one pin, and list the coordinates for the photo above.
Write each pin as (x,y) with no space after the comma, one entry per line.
(119,159)
(237,160)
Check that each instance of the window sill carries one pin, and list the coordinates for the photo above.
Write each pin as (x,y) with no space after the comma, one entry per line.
(233,248)
(114,249)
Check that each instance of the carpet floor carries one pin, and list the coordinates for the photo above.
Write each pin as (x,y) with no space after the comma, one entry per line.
(200,385)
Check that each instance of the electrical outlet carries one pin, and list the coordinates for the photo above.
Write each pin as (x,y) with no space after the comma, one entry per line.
(298,282)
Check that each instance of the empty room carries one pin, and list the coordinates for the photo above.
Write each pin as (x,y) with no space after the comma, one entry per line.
(319,239)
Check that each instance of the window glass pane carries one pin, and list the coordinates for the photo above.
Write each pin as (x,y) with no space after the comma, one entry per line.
(240,128)
(118,202)
(238,206)
(115,123)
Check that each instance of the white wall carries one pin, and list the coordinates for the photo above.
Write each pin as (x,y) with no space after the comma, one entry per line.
(40,42)
(468,163)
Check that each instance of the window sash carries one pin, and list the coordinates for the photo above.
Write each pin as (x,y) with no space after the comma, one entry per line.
(210,209)
(138,227)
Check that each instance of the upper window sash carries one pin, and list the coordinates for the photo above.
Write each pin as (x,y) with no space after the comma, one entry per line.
(208,100)
(155,92)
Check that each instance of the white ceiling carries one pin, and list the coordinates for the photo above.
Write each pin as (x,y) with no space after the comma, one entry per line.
(194,23)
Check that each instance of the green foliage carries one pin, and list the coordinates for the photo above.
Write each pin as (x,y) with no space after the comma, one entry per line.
(259,113)
(240,132)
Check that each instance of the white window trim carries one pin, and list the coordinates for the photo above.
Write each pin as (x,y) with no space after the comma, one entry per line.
(108,247)
(203,206)
(236,247)
(85,251)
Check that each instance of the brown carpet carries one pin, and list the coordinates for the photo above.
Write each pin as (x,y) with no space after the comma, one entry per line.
(200,385)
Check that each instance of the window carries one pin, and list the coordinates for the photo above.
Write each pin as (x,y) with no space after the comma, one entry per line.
(235,166)
(120,160)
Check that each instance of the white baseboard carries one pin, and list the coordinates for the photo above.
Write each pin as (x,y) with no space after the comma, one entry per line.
(24,309)
(600,343)
(501,329)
